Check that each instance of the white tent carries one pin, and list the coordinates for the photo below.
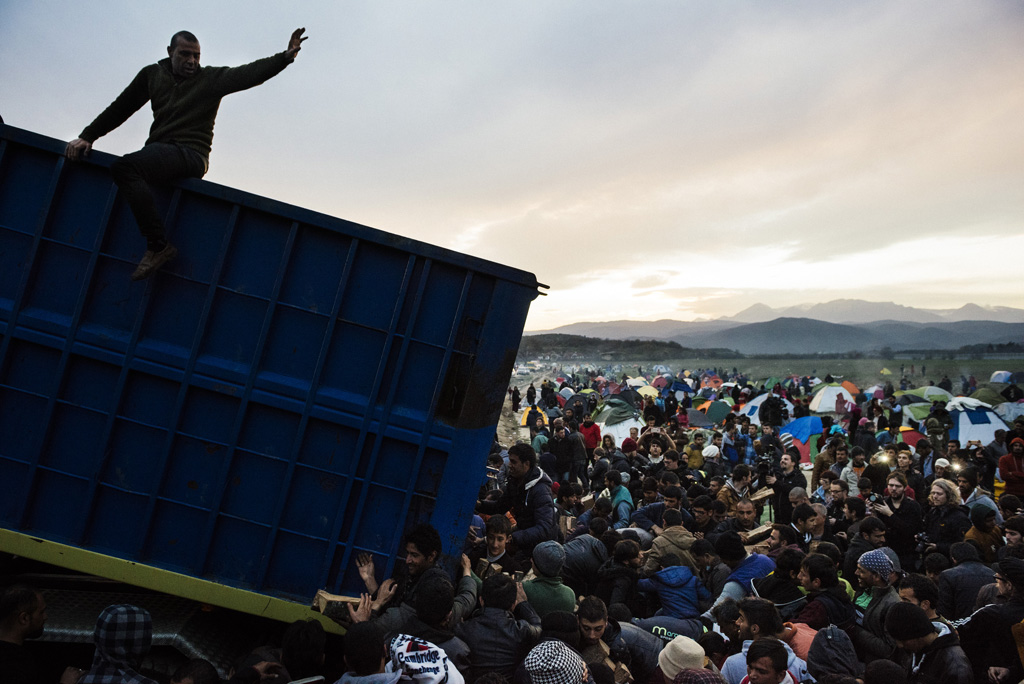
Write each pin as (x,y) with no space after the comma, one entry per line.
(1009,412)
(620,431)
(824,400)
(973,420)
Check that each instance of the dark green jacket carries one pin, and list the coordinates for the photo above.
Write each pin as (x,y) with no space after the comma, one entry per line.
(183,111)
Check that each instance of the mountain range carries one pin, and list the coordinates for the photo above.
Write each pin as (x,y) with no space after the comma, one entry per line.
(838,326)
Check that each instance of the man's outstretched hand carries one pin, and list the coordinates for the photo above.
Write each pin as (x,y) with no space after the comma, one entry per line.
(77,149)
(295,43)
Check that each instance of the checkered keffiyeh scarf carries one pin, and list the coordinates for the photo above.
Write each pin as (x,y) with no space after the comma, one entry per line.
(123,636)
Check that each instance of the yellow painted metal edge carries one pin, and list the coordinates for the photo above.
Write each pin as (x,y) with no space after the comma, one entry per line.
(157,579)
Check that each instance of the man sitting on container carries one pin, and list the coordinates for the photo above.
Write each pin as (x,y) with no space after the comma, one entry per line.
(185,98)
(528,496)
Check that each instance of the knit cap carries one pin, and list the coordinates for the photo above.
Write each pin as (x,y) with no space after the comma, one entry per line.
(1013,570)
(905,621)
(628,444)
(681,653)
(710,451)
(548,558)
(695,676)
(877,562)
(552,662)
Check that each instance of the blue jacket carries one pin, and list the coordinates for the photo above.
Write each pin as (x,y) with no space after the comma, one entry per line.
(753,566)
(679,590)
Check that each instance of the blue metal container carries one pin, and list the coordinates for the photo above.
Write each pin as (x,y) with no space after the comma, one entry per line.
(292,391)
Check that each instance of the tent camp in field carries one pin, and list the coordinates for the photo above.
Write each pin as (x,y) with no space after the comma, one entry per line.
(825,396)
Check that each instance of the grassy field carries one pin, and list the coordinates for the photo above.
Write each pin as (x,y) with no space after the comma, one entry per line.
(862,372)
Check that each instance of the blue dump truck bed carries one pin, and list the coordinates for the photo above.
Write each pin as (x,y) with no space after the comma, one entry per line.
(292,391)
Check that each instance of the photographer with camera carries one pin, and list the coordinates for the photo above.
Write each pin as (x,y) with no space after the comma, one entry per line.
(902,516)
(946,522)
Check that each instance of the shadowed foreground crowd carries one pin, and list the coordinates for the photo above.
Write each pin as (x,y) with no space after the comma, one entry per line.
(651,565)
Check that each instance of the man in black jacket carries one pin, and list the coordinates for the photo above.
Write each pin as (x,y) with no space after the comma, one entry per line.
(929,651)
(529,498)
(959,586)
(903,518)
(185,97)
(788,477)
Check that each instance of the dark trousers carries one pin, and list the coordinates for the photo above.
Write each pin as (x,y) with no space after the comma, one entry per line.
(154,163)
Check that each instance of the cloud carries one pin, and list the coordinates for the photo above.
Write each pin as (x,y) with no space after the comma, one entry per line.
(627,155)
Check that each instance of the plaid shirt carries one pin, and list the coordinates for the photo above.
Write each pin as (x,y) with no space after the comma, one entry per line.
(123,636)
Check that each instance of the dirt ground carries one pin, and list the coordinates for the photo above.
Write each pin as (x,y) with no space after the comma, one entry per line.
(508,424)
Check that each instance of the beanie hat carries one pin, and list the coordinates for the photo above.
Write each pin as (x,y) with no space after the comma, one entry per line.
(552,662)
(1013,570)
(711,451)
(548,558)
(681,653)
(877,562)
(905,621)
(561,625)
(628,444)
(729,547)
(695,676)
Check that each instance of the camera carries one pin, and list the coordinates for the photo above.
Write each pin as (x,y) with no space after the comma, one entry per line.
(923,540)
(763,464)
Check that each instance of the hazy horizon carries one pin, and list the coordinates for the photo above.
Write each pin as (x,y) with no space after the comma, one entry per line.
(648,161)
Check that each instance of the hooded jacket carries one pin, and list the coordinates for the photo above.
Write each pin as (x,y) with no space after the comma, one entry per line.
(735,667)
(680,591)
(616,583)
(942,662)
(675,540)
(532,506)
(782,591)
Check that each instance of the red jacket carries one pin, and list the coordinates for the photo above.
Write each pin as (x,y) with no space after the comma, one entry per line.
(1012,471)
(591,435)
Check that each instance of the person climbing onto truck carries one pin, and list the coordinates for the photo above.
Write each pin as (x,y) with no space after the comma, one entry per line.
(185,97)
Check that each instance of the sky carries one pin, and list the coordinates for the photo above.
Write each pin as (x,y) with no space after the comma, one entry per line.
(646,160)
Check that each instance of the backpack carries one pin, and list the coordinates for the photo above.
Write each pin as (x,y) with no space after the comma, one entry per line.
(832,652)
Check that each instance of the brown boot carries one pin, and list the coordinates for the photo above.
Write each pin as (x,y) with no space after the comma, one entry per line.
(151,261)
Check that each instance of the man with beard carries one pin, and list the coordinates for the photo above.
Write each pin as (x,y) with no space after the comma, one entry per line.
(591,432)
(903,518)
(1011,468)
(736,488)
(22,616)
(781,483)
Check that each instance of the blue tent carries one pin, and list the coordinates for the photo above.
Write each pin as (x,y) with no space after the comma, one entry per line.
(803,428)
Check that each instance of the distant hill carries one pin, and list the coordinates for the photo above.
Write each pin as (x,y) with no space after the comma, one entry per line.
(835,327)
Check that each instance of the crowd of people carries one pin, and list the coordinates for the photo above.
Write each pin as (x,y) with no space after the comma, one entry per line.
(670,556)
